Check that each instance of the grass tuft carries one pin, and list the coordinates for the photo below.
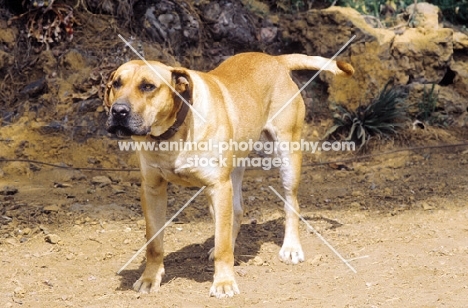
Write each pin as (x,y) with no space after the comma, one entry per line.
(381,118)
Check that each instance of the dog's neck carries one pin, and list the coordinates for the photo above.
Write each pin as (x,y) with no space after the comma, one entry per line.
(180,118)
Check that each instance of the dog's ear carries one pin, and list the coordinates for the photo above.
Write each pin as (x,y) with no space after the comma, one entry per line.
(107,90)
(182,83)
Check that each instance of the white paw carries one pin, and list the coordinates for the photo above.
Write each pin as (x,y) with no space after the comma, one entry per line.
(146,286)
(149,283)
(225,288)
(291,254)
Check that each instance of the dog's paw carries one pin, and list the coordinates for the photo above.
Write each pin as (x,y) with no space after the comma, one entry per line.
(146,286)
(148,283)
(291,254)
(225,288)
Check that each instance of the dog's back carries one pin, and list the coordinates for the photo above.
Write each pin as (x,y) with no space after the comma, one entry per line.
(256,62)
(257,78)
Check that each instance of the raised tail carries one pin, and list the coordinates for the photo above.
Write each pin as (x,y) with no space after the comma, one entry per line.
(303,62)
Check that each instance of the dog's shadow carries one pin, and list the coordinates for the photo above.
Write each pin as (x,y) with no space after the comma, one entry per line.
(192,261)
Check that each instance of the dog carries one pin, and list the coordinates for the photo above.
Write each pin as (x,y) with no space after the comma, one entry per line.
(247,97)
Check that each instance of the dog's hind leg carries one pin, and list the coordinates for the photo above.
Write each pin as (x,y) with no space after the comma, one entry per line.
(291,251)
(287,129)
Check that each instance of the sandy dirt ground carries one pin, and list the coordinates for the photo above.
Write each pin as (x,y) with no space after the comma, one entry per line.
(400,220)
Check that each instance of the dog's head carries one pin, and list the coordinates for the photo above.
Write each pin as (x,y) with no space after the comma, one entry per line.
(142,99)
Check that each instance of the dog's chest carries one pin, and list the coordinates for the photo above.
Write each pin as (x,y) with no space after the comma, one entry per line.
(177,169)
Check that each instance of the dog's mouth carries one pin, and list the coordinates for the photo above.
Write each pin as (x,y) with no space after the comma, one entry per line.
(130,126)
(125,131)
(120,131)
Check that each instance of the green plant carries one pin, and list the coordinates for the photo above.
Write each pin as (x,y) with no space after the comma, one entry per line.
(382,117)
(427,104)
(453,10)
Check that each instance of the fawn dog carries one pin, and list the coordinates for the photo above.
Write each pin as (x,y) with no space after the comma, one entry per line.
(240,100)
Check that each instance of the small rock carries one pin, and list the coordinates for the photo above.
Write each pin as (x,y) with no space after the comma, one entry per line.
(315,260)
(12,241)
(43,229)
(89,105)
(117,189)
(241,272)
(62,185)
(141,223)
(357,193)
(355,205)
(396,162)
(52,238)
(388,191)
(126,184)
(101,180)
(257,261)
(27,231)
(361,169)
(460,41)
(35,88)
(424,15)
(426,206)
(8,191)
(19,292)
(51,208)
(268,34)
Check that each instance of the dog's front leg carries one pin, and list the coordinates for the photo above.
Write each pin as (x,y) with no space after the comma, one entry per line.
(154,204)
(224,283)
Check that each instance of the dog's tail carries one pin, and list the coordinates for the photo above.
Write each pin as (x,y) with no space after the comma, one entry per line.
(303,62)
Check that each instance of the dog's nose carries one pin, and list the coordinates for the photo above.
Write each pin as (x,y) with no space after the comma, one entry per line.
(120,111)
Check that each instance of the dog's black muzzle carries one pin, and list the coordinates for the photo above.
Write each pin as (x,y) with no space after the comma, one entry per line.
(123,122)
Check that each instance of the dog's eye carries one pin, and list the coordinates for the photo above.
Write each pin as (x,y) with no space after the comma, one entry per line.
(147,87)
(116,84)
